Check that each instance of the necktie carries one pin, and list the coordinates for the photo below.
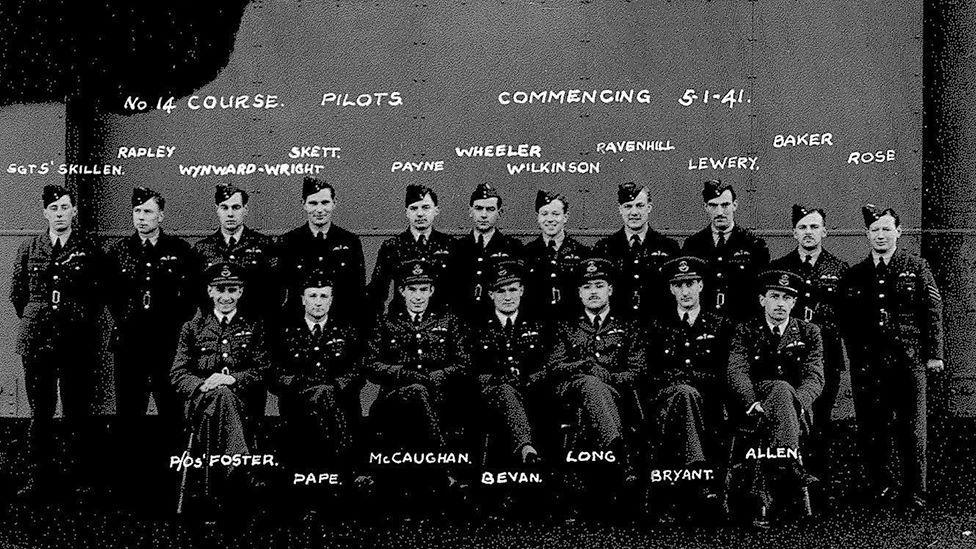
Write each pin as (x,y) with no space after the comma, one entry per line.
(882,268)
(231,242)
(508,324)
(776,331)
(147,244)
(721,241)
(317,331)
(224,322)
(417,319)
(808,261)
(596,323)
(58,248)
(320,236)
(552,246)
(422,241)
(634,242)
(686,318)
(481,241)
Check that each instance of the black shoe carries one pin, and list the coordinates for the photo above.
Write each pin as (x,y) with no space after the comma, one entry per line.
(915,506)
(796,473)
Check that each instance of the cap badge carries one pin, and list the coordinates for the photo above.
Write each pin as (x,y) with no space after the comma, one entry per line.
(784,280)
(417,269)
(683,266)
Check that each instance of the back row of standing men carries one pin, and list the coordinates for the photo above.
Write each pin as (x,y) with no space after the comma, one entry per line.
(886,310)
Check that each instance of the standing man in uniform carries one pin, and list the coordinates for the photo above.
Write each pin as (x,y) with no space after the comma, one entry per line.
(320,244)
(507,352)
(638,251)
(219,376)
(597,364)
(775,372)
(893,330)
(55,292)
(551,257)
(235,242)
(819,302)
(687,359)
(420,241)
(735,255)
(150,275)
(317,380)
(475,252)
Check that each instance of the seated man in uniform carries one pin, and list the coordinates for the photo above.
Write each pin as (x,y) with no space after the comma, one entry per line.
(218,374)
(596,366)
(507,350)
(775,373)
(415,354)
(316,378)
(688,356)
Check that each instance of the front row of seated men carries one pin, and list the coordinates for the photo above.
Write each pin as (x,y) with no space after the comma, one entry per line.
(615,387)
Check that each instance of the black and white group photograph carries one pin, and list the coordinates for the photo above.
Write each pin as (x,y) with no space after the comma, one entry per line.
(487,273)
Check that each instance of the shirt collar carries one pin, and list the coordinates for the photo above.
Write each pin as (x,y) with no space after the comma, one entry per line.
(814,256)
(315,231)
(321,323)
(416,234)
(230,316)
(558,239)
(502,317)
(875,256)
(692,314)
(642,234)
(237,235)
(153,239)
(413,315)
(716,232)
(782,326)
(64,237)
(604,314)
(487,235)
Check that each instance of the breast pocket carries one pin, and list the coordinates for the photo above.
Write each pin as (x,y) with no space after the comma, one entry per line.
(905,287)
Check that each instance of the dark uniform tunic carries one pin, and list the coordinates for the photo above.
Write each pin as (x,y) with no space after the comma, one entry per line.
(414,364)
(509,365)
(150,298)
(56,295)
(255,254)
(784,373)
(819,302)
(316,378)
(469,271)
(596,374)
(893,326)
(340,254)
(730,283)
(221,419)
(550,286)
(686,366)
(395,251)
(639,292)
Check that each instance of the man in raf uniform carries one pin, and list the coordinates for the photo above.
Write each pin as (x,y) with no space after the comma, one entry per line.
(55,293)
(551,257)
(507,352)
(596,365)
(735,255)
(151,273)
(893,330)
(419,241)
(219,374)
(639,251)
(320,244)
(819,302)
(414,354)
(687,360)
(476,251)
(235,242)
(317,380)
(775,372)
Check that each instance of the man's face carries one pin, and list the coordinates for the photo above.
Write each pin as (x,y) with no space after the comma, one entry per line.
(636,212)
(721,210)
(507,298)
(225,296)
(317,301)
(595,294)
(60,213)
(777,304)
(417,296)
(810,231)
(231,213)
(553,217)
(883,234)
(421,213)
(146,217)
(318,207)
(687,292)
(484,213)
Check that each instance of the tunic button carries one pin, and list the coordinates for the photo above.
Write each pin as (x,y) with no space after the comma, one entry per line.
(478,273)
(224,341)
(598,338)
(315,348)
(224,355)
(687,344)
(636,276)
(232,257)
(148,264)
(881,296)
(552,275)
(597,355)
(687,361)
(55,277)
